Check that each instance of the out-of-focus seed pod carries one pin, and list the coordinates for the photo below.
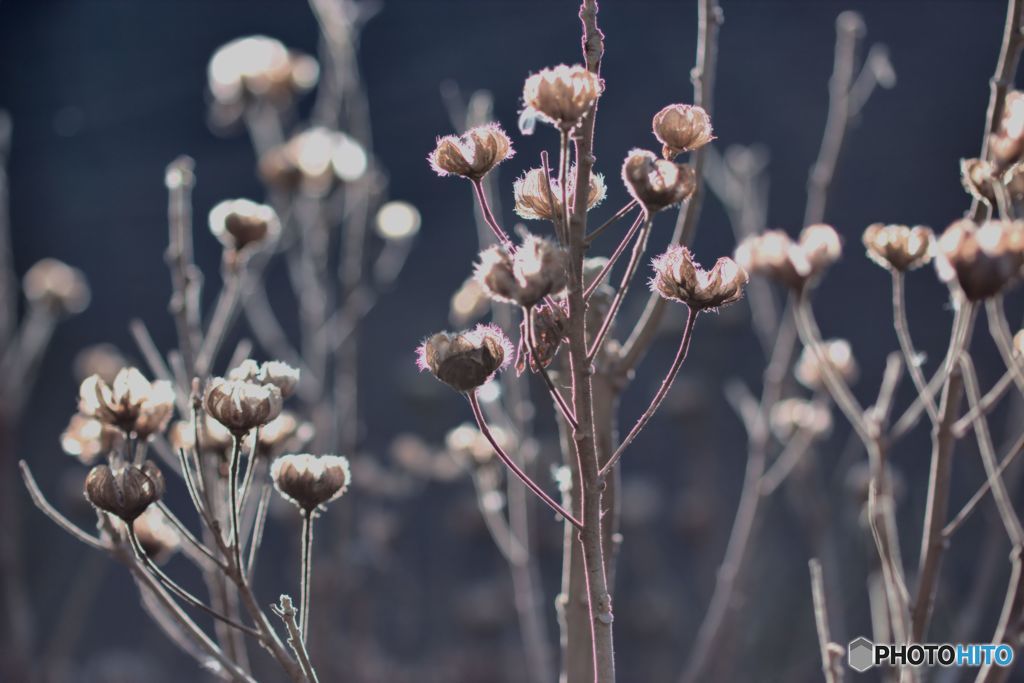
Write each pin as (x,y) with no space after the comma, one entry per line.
(979,179)
(158,537)
(240,405)
(682,128)
(656,183)
(240,223)
(838,354)
(473,154)
(125,492)
(132,403)
(56,287)
(465,360)
(981,260)
(468,446)
(313,161)
(793,264)
(99,359)
(898,247)
(678,277)
(793,415)
(310,481)
(89,439)
(259,68)
(562,95)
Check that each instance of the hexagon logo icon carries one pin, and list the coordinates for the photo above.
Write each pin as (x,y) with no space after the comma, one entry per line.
(860,654)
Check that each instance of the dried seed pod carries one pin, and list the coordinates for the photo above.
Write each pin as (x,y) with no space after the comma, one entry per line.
(682,128)
(240,405)
(839,355)
(898,247)
(213,436)
(88,439)
(793,264)
(979,179)
(465,360)
(981,260)
(125,492)
(1006,145)
(240,223)
(536,201)
(310,481)
(285,432)
(468,446)
(678,277)
(275,372)
(473,154)
(56,287)
(158,537)
(656,183)
(468,304)
(133,404)
(534,270)
(794,415)
(313,161)
(258,67)
(562,95)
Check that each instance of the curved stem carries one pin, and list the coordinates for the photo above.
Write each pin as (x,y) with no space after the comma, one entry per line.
(485,209)
(899,314)
(236,538)
(481,422)
(613,258)
(666,384)
(618,215)
(531,338)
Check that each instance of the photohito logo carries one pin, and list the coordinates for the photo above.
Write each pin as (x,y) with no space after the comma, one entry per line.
(862,654)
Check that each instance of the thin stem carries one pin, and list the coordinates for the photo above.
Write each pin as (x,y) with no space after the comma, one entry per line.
(176,589)
(987,402)
(63,522)
(910,356)
(307,573)
(614,257)
(972,504)
(286,610)
(188,535)
(627,277)
(830,662)
(236,539)
(220,322)
(556,395)
(481,422)
(258,527)
(563,182)
(616,217)
(659,396)
(185,277)
(485,209)
(1002,81)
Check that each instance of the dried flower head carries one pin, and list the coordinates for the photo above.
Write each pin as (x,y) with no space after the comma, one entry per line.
(535,269)
(793,264)
(979,179)
(682,128)
(678,277)
(125,492)
(898,247)
(313,161)
(982,260)
(56,287)
(473,154)
(88,439)
(275,372)
(310,481)
(656,183)
(213,436)
(240,405)
(562,95)
(536,200)
(839,354)
(239,223)
(157,536)
(132,403)
(465,360)
(1006,144)
(794,415)
(258,67)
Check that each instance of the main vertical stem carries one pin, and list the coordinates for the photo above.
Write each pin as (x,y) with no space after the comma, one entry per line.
(583,437)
